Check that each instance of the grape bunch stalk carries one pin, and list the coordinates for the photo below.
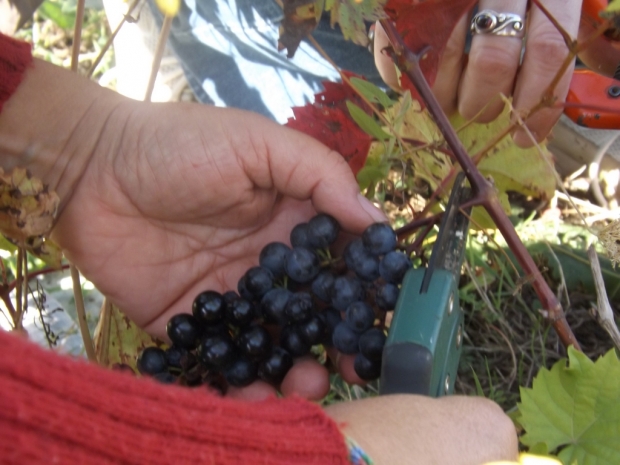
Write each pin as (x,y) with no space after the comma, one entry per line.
(297,300)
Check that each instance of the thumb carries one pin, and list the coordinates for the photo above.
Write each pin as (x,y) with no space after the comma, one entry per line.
(299,166)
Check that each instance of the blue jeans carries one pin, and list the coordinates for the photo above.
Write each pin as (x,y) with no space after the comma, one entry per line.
(228,51)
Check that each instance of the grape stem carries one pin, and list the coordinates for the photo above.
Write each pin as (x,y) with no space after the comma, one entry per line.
(484,193)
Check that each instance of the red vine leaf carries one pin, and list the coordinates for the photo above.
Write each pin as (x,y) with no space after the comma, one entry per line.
(334,128)
(427,25)
(328,121)
(336,94)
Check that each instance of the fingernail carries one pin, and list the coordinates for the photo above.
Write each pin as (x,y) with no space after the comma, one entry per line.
(375,213)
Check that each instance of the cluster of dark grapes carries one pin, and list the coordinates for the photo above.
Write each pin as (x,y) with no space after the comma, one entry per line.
(297,298)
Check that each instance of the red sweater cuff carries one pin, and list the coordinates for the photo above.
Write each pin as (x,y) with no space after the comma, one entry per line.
(15,57)
(59,410)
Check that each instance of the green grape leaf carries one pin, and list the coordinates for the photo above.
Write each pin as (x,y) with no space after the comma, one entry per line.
(376,169)
(118,340)
(366,122)
(352,15)
(414,125)
(575,409)
(512,168)
(63,17)
(45,249)
(371,92)
(613,9)
(480,219)
(7,245)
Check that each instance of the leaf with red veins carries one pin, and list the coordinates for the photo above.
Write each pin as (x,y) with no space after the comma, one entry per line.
(334,128)
(427,25)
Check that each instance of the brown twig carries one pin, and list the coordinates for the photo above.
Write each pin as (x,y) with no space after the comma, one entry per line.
(19,310)
(108,43)
(9,306)
(603,313)
(81,314)
(12,285)
(102,333)
(484,193)
(77,35)
(159,53)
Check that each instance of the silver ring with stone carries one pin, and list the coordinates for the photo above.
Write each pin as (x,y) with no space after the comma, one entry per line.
(490,22)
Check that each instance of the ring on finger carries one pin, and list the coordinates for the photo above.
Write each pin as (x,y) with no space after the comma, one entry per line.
(490,22)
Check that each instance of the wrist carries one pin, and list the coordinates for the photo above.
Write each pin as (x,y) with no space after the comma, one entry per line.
(52,124)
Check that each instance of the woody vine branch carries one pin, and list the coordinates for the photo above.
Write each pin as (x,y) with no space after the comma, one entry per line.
(484,193)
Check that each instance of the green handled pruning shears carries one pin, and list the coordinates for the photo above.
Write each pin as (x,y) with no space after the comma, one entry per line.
(424,342)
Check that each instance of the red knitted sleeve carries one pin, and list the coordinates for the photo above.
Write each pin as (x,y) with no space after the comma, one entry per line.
(59,410)
(15,57)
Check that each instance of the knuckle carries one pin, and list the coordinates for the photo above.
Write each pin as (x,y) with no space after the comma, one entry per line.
(492,63)
(500,426)
(547,51)
(453,50)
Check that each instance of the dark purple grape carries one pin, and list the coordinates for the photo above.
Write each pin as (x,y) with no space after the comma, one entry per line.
(361,261)
(331,318)
(322,285)
(379,238)
(241,372)
(179,358)
(276,366)
(184,331)
(165,378)
(302,265)
(216,352)
(240,312)
(387,296)
(273,258)
(359,316)
(346,290)
(367,369)
(394,265)
(151,361)
(323,230)
(293,342)
(243,290)
(345,339)
(299,236)
(254,342)
(208,307)
(258,281)
(299,307)
(216,329)
(229,296)
(313,330)
(273,303)
(371,343)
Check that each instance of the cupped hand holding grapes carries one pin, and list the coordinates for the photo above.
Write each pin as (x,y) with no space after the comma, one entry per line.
(178,199)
